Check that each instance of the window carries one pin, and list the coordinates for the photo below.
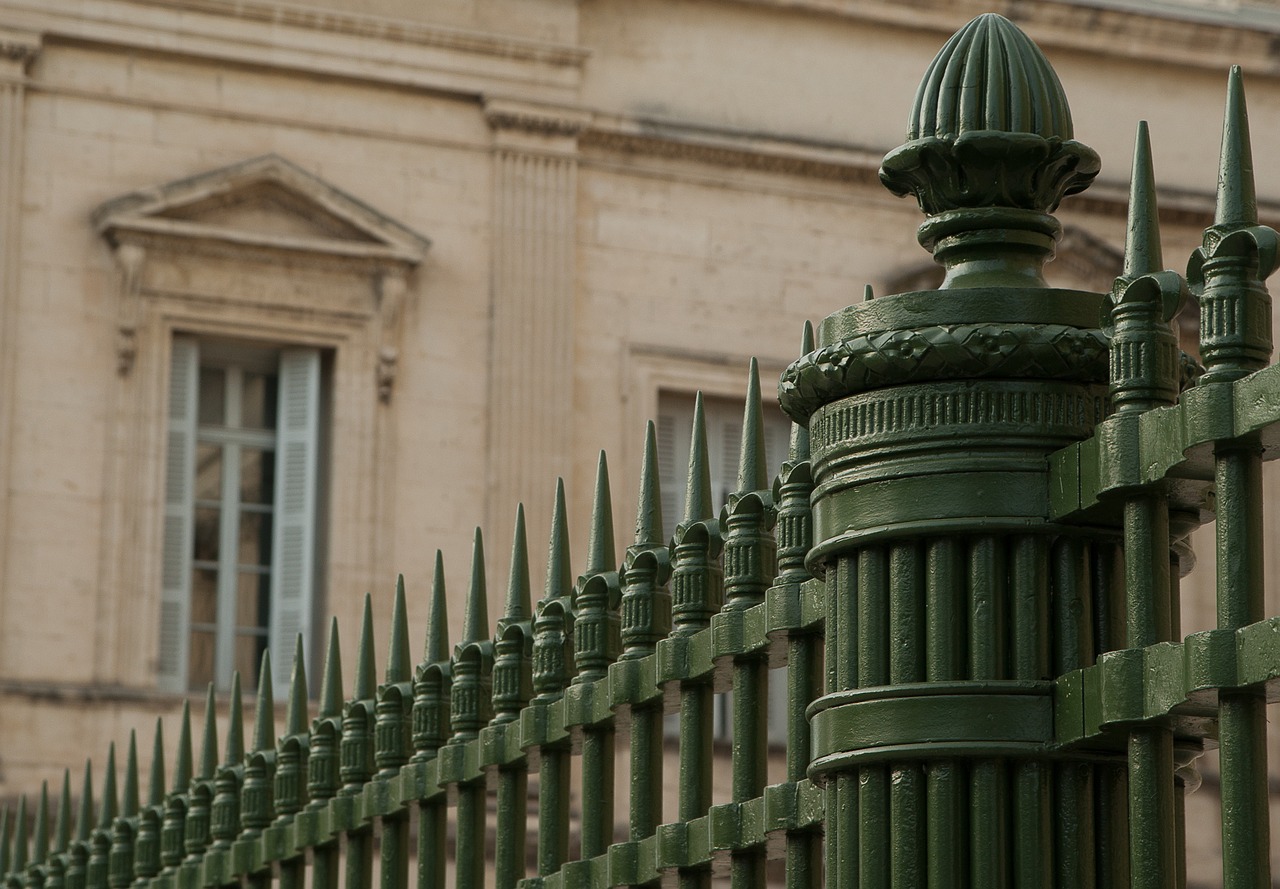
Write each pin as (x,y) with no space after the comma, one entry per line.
(241,480)
(723,417)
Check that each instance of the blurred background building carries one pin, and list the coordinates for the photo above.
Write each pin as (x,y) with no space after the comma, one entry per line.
(294,293)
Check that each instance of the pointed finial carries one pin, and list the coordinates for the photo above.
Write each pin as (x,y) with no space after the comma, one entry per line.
(182,759)
(209,739)
(752,475)
(110,802)
(1142,254)
(235,724)
(1237,199)
(84,817)
(867,293)
(399,669)
(264,720)
(40,850)
(331,685)
(600,549)
(366,668)
(476,617)
(697,500)
(129,800)
(437,644)
(155,786)
(559,578)
(20,836)
(649,525)
(296,721)
(62,829)
(518,603)
(799,449)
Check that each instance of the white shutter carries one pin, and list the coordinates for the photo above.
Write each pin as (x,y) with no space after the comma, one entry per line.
(293,539)
(179,514)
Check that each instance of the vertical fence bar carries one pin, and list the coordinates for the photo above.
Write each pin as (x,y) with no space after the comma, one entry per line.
(944,662)
(1235,339)
(696,582)
(1029,601)
(749,565)
(323,756)
(392,721)
(512,689)
(430,732)
(552,664)
(596,644)
(470,701)
(358,726)
(646,619)
(988,814)
(874,853)
(794,533)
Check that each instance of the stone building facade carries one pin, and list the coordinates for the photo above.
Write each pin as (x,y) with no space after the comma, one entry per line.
(293,294)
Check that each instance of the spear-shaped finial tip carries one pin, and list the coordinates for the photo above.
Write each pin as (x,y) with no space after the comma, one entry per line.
(235,724)
(62,830)
(649,527)
(264,718)
(129,800)
(600,550)
(110,799)
(476,617)
(84,817)
(20,836)
(697,501)
(331,685)
(40,851)
(1237,198)
(399,667)
(437,647)
(752,475)
(366,669)
(518,603)
(209,737)
(798,451)
(559,578)
(296,722)
(182,759)
(1142,254)
(155,783)
(868,294)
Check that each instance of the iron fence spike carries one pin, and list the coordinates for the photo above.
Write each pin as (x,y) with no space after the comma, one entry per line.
(601,554)
(209,738)
(296,721)
(697,499)
(519,606)
(437,645)
(62,827)
(475,620)
(752,472)
(366,668)
(40,845)
(155,786)
(129,799)
(235,724)
(331,684)
(1142,253)
(182,757)
(264,728)
(649,518)
(399,667)
(559,578)
(1237,203)
(84,817)
(19,860)
(110,799)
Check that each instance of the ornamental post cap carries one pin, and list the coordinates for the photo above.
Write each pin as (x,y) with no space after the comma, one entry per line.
(989,156)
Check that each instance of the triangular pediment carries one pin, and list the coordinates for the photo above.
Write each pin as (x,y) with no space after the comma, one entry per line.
(266,202)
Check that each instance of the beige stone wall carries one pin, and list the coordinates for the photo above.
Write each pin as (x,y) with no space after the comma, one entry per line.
(622,197)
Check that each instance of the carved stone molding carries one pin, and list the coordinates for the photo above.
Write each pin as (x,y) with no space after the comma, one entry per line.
(130,258)
(18,49)
(542,120)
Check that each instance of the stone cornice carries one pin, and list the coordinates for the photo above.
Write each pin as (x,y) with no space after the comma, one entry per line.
(531,117)
(1162,34)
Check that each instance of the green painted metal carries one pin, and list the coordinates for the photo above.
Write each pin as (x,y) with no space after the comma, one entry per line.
(968,565)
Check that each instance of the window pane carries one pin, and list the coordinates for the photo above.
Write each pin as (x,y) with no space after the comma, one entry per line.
(208,472)
(213,396)
(253,601)
(257,475)
(258,405)
(255,539)
(200,660)
(206,533)
(249,651)
(204,596)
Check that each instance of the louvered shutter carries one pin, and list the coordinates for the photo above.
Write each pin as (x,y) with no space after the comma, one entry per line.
(293,540)
(179,514)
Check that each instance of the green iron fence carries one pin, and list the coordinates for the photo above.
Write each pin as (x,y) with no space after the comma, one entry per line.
(968,566)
